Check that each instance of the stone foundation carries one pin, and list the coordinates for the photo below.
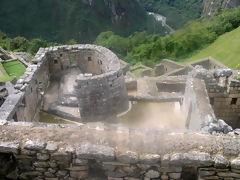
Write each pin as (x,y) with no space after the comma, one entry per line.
(34,156)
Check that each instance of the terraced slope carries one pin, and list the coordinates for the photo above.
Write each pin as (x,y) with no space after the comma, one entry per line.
(225,49)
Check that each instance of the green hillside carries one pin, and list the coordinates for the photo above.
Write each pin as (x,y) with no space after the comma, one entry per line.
(226,49)
(82,20)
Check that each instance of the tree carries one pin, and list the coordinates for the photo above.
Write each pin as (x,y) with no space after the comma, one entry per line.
(35,44)
(19,44)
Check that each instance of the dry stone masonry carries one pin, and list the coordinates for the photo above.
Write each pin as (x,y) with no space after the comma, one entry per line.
(85,83)
(86,77)
(64,158)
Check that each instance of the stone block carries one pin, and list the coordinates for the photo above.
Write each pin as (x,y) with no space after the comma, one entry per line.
(34,145)
(211,178)
(112,178)
(28,152)
(228,174)
(78,168)
(174,175)
(206,173)
(51,170)
(235,163)
(235,170)
(152,174)
(220,161)
(32,173)
(195,158)
(51,147)
(41,169)
(62,157)
(53,164)
(42,157)
(127,157)
(132,171)
(9,147)
(92,151)
(62,173)
(164,177)
(49,174)
(41,164)
(79,174)
(144,167)
(149,158)
(80,162)
(170,169)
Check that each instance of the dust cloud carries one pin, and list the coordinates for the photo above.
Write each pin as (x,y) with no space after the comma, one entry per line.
(154,115)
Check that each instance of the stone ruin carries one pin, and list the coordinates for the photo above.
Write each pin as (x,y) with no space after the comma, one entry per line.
(86,83)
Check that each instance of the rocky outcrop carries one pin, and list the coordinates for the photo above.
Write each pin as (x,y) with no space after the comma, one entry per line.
(117,10)
(211,7)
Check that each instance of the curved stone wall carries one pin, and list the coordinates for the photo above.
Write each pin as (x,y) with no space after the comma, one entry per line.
(81,78)
(91,79)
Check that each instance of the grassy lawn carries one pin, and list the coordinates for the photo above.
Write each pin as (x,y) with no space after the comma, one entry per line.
(225,49)
(12,69)
(3,74)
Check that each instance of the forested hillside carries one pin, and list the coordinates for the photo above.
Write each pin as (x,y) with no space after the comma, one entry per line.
(151,49)
(178,12)
(82,20)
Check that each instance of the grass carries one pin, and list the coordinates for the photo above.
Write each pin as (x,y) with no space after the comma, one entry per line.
(226,49)
(11,69)
(4,77)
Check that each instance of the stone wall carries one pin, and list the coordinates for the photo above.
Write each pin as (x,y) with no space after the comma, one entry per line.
(224,94)
(102,97)
(196,105)
(208,63)
(166,66)
(98,154)
(51,65)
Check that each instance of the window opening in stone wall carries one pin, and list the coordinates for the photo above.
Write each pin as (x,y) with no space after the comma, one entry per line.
(89,59)
(31,90)
(15,117)
(55,61)
(23,102)
(61,55)
(72,58)
(234,101)
(211,101)
(100,62)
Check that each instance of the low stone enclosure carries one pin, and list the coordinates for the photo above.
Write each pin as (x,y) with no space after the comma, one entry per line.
(86,84)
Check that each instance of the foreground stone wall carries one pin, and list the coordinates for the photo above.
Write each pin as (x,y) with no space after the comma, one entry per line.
(105,152)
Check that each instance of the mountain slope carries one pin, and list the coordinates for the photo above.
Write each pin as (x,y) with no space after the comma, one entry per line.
(225,49)
(178,12)
(61,20)
(211,7)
